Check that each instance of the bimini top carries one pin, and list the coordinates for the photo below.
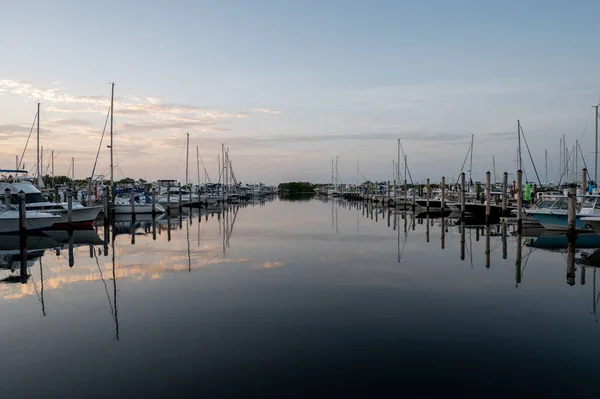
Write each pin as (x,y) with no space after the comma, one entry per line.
(12,171)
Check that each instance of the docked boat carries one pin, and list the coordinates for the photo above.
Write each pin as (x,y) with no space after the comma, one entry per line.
(554,216)
(34,220)
(141,204)
(82,216)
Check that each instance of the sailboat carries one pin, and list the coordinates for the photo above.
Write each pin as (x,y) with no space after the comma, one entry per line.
(81,216)
(122,203)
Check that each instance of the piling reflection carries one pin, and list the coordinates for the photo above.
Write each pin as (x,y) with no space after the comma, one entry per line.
(127,240)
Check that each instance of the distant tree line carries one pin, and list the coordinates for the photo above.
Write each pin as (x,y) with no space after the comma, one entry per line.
(296,187)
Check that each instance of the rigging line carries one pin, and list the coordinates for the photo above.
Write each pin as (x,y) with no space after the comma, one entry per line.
(586,124)
(112,311)
(530,156)
(464,163)
(569,154)
(581,153)
(179,161)
(30,132)
(100,146)
(205,171)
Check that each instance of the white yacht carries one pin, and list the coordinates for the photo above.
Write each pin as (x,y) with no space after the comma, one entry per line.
(82,216)
(141,204)
(34,220)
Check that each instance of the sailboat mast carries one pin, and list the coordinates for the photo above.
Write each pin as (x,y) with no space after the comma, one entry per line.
(337,179)
(198,165)
(494,166)
(73,170)
(398,162)
(596,151)
(546,159)
(112,165)
(187,159)
(471,162)
(331,172)
(39,169)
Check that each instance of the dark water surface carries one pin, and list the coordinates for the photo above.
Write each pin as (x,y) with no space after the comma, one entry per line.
(307,299)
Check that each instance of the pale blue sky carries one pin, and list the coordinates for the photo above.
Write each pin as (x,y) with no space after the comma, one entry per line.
(290,84)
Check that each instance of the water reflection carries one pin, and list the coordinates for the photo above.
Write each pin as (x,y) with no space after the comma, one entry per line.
(309,272)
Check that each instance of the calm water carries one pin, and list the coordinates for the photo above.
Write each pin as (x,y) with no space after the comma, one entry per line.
(308,299)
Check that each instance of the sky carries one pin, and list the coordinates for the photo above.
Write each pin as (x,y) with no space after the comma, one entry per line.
(289,85)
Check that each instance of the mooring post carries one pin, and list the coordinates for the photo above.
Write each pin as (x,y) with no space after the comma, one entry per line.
(56,196)
(488,197)
(518,271)
(7,196)
(504,193)
(504,241)
(443,204)
(584,181)
(487,246)
(70,207)
(582,275)
(23,236)
(179,188)
(105,206)
(22,214)
(388,193)
(571,215)
(462,239)
(153,202)
(190,203)
(427,196)
(132,202)
(169,199)
(519,200)
(462,195)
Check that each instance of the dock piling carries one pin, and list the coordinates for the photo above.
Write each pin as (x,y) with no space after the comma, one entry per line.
(132,201)
(462,196)
(7,196)
(571,215)
(584,181)
(504,196)
(179,187)
(488,197)
(169,199)
(443,204)
(23,237)
(519,200)
(70,208)
(153,203)
(427,196)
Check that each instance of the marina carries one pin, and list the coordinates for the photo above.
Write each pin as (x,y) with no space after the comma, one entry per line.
(299,199)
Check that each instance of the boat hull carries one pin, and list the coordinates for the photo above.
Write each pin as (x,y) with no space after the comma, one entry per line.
(125,209)
(558,221)
(9,223)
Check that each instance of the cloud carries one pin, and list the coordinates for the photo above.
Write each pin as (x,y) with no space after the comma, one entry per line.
(266,111)
(68,122)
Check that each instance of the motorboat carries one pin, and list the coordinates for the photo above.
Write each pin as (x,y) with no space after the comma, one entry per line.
(82,216)
(34,220)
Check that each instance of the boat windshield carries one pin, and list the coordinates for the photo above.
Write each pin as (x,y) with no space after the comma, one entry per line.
(588,202)
(560,203)
(30,198)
